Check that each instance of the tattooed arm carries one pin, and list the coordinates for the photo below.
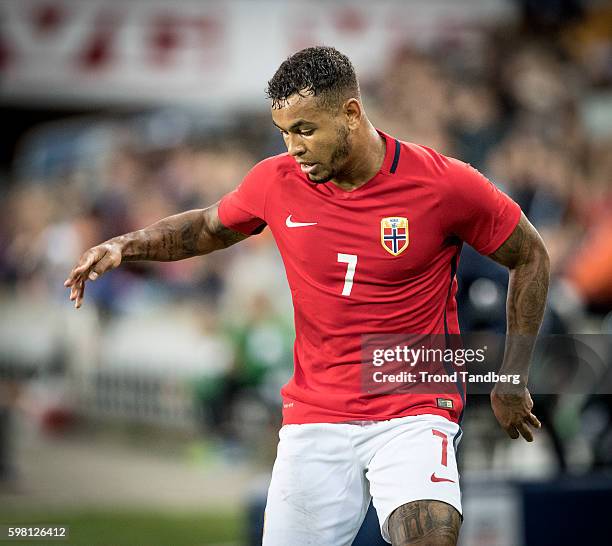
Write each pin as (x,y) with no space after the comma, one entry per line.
(184,235)
(525,255)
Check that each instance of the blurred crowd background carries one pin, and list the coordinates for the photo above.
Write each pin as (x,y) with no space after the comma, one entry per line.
(202,346)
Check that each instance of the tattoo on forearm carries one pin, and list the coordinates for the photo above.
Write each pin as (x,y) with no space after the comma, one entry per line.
(528,289)
(525,255)
(188,239)
(166,243)
(425,522)
(169,248)
(192,233)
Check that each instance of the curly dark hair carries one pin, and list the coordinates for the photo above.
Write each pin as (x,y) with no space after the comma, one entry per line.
(320,71)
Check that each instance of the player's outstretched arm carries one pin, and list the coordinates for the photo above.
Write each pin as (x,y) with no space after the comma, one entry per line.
(191,233)
(525,255)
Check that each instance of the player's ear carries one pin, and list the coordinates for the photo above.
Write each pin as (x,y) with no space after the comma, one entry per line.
(352,111)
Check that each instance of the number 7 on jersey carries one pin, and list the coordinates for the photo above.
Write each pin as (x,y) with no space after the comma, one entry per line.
(351,260)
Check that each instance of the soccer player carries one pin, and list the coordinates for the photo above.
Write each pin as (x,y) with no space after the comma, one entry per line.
(370,230)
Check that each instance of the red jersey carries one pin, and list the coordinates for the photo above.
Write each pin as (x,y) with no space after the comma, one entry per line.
(377,260)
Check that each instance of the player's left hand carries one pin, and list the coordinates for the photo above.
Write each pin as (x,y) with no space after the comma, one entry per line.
(513,412)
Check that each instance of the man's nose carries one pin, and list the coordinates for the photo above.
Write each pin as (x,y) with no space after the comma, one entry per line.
(295,146)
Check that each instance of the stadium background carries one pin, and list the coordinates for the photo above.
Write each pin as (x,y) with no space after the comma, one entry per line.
(150,415)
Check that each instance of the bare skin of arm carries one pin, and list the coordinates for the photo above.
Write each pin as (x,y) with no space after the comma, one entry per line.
(191,233)
(525,255)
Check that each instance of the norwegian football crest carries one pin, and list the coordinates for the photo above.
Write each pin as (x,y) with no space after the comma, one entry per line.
(394,234)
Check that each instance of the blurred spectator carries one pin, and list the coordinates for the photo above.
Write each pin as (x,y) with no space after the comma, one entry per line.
(262,364)
(8,396)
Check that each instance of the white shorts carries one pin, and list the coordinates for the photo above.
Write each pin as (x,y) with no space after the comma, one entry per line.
(326,473)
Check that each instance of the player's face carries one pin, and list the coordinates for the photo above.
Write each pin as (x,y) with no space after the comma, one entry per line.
(317,138)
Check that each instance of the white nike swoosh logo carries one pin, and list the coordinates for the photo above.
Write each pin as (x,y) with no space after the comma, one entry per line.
(291,223)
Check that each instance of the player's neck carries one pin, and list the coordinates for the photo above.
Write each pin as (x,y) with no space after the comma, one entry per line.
(368,153)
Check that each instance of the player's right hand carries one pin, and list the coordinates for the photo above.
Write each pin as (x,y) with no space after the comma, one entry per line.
(93,263)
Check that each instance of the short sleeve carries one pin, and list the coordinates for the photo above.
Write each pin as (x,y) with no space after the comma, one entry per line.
(475,210)
(243,209)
